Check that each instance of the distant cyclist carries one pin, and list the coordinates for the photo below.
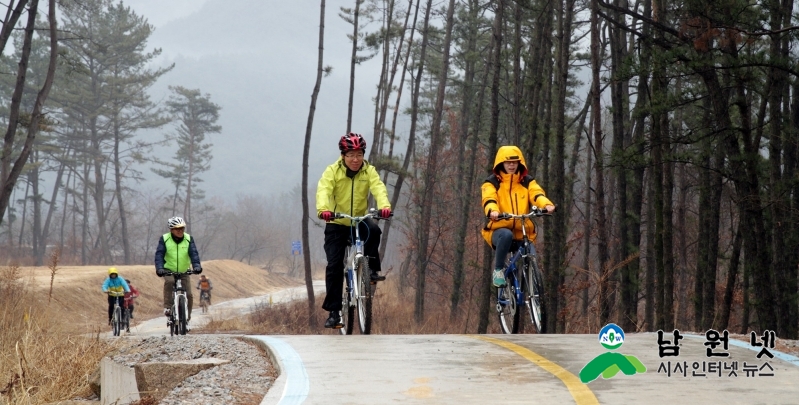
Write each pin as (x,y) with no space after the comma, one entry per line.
(509,190)
(130,297)
(344,187)
(176,253)
(116,287)
(205,286)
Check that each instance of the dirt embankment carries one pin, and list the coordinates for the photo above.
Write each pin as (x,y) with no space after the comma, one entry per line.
(77,289)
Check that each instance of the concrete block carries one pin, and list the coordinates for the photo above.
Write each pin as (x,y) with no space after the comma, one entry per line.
(118,383)
(157,379)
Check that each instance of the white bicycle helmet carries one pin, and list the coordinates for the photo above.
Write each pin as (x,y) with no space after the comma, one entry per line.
(176,222)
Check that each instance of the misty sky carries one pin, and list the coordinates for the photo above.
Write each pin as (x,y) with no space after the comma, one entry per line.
(257,59)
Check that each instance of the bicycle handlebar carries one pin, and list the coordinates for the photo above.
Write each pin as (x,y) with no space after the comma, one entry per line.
(534,212)
(372,214)
(175,273)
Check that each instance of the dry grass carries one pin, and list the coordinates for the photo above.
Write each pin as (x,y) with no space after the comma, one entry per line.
(41,359)
(76,289)
(393,313)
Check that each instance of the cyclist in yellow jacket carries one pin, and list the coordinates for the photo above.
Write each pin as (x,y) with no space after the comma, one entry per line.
(509,189)
(344,187)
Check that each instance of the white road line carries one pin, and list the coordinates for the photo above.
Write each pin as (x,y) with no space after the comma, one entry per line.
(297,386)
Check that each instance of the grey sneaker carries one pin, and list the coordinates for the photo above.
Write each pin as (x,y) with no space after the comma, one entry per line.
(498,278)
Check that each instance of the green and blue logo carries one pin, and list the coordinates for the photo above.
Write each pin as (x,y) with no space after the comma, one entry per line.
(611,336)
(610,363)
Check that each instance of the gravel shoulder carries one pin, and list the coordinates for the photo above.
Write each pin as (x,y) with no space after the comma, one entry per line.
(245,380)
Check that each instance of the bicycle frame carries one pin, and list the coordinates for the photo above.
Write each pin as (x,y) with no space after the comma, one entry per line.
(177,292)
(355,297)
(523,287)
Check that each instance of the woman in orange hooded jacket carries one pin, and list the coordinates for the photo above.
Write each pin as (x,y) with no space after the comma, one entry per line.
(509,189)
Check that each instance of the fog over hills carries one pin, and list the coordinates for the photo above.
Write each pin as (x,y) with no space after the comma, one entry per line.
(257,59)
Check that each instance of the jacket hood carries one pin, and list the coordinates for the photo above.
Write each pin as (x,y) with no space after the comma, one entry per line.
(506,153)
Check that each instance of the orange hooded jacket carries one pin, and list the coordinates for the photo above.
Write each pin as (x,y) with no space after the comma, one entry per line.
(512,194)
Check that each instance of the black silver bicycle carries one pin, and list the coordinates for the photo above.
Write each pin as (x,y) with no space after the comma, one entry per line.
(178,320)
(119,318)
(524,284)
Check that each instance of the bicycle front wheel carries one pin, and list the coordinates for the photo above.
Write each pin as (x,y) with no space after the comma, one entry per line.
(347,306)
(181,318)
(364,296)
(535,295)
(507,308)
(117,320)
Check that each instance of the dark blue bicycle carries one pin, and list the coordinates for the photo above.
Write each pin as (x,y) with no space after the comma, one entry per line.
(524,282)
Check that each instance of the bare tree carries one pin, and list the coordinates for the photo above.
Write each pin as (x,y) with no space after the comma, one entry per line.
(305,156)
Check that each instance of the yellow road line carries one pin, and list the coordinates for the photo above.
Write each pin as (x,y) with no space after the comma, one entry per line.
(580,392)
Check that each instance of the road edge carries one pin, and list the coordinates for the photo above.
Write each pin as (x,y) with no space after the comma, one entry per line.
(292,385)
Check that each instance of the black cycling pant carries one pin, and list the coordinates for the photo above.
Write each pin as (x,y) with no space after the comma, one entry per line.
(337,237)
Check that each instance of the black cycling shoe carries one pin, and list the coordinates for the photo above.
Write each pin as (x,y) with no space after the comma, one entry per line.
(334,321)
(375,277)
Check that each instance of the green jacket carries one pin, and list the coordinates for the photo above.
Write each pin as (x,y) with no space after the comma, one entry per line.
(338,193)
(177,257)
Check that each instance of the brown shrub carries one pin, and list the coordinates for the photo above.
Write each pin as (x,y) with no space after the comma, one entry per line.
(40,361)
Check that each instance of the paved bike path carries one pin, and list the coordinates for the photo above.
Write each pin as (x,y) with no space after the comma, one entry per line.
(520,369)
(223,310)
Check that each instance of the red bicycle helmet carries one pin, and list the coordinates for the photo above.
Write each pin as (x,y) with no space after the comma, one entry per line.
(351,141)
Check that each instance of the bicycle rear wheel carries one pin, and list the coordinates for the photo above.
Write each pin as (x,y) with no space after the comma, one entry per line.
(507,309)
(364,296)
(347,310)
(535,295)
(126,319)
(117,320)
(181,318)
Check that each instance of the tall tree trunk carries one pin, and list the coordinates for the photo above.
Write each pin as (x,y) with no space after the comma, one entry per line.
(8,173)
(306,253)
(732,275)
(36,200)
(395,195)
(517,72)
(465,178)
(389,84)
(84,230)
(431,170)
(189,177)
(596,117)
(496,58)
(587,226)
(627,310)
(123,218)
(668,231)
(414,118)
(538,50)
(638,187)
(353,62)
(484,300)
(557,228)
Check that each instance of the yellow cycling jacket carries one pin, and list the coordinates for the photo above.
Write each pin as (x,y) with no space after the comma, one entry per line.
(338,193)
(512,194)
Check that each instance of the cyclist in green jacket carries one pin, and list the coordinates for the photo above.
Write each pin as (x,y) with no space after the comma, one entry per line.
(344,187)
(177,253)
